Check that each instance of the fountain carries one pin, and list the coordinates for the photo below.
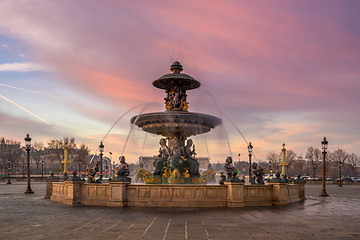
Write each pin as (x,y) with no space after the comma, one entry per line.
(176,162)
(176,181)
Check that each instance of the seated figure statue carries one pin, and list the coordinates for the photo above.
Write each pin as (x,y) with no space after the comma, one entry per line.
(91,172)
(161,159)
(190,162)
(228,168)
(258,172)
(123,172)
(176,160)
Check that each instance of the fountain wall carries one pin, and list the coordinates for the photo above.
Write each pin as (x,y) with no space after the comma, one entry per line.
(179,195)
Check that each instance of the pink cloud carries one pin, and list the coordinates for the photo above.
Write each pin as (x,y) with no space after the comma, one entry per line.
(253,56)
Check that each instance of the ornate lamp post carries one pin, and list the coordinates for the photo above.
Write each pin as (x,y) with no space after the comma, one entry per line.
(101,149)
(44,161)
(28,145)
(314,168)
(324,144)
(42,168)
(110,164)
(239,162)
(9,168)
(250,147)
(340,166)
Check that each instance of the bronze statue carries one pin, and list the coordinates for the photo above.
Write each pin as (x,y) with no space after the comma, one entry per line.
(161,159)
(228,168)
(222,178)
(259,173)
(234,177)
(123,167)
(231,173)
(176,99)
(123,172)
(190,162)
(91,172)
(176,160)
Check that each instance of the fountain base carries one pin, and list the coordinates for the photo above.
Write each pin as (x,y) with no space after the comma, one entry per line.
(121,194)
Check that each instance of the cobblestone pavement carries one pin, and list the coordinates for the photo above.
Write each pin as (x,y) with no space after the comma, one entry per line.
(32,217)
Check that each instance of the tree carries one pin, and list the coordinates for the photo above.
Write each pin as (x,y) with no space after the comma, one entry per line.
(55,148)
(10,152)
(298,166)
(332,162)
(290,160)
(354,162)
(273,158)
(37,154)
(80,155)
(314,155)
(340,156)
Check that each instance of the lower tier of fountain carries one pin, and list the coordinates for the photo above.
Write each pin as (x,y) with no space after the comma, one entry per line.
(121,194)
(176,123)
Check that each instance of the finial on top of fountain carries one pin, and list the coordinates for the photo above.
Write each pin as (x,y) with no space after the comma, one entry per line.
(176,67)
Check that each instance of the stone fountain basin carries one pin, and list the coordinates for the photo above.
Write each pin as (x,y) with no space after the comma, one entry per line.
(176,123)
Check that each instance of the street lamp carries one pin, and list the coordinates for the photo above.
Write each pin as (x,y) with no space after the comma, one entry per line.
(340,166)
(110,164)
(314,168)
(42,168)
(28,145)
(101,149)
(324,144)
(250,147)
(9,166)
(239,162)
(43,162)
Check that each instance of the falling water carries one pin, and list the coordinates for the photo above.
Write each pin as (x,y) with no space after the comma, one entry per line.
(222,125)
(146,104)
(131,109)
(207,148)
(223,114)
(133,124)
(142,150)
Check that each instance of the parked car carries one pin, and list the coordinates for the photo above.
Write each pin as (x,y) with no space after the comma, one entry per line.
(355,179)
(306,177)
(346,179)
(330,179)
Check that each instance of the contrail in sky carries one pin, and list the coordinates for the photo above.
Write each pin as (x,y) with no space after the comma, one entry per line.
(24,109)
(31,91)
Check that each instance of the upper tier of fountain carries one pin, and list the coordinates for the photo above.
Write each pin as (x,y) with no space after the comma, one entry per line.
(176,78)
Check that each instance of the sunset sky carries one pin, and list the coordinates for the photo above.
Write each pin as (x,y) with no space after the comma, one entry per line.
(276,71)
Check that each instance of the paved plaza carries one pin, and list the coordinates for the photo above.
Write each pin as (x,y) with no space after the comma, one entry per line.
(31,217)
